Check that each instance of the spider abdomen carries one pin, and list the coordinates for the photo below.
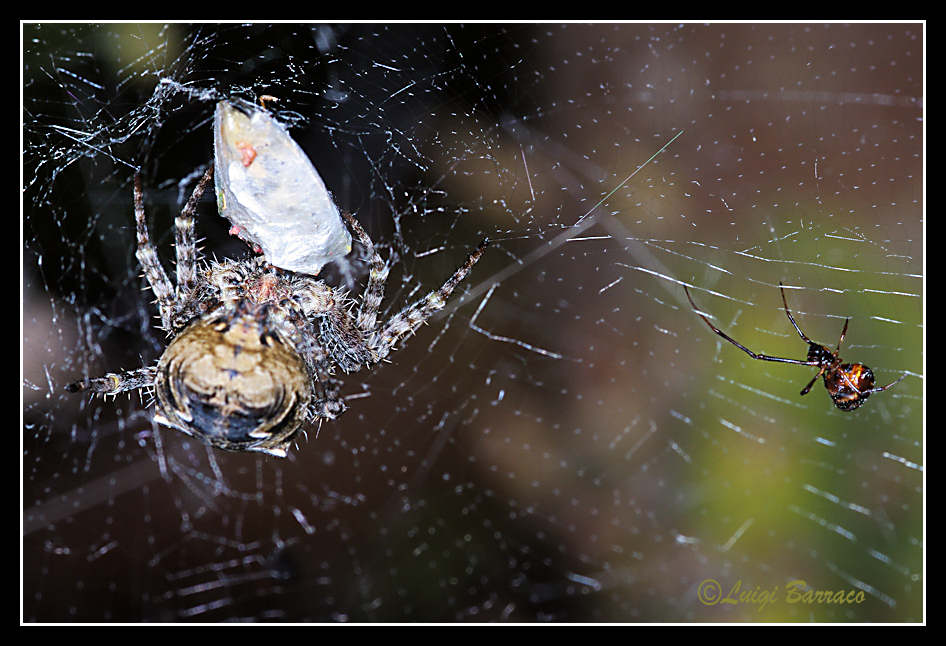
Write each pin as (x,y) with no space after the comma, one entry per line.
(839,382)
(233,384)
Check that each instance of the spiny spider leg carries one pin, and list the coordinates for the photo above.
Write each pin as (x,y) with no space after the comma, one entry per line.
(148,257)
(762,357)
(377,275)
(409,319)
(113,383)
(327,387)
(184,244)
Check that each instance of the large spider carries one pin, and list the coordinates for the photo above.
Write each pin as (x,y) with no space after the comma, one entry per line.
(849,384)
(254,348)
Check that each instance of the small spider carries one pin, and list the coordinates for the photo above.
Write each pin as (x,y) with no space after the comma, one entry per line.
(849,384)
(254,349)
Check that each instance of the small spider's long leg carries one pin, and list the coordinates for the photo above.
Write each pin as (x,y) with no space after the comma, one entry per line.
(890,385)
(113,383)
(377,275)
(792,318)
(148,258)
(807,389)
(409,319)
(184,246)
(761,357)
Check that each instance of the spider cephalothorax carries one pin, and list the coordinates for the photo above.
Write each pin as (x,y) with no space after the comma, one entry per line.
(254,349)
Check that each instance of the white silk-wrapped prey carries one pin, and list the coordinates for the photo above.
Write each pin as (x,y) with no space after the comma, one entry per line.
(269,191)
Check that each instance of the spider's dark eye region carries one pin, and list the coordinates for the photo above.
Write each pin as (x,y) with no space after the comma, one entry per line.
(224,386)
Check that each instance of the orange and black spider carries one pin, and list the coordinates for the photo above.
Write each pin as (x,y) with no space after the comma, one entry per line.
(849,384)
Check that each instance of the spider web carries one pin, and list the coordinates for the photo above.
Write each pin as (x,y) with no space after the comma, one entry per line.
(568,441)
